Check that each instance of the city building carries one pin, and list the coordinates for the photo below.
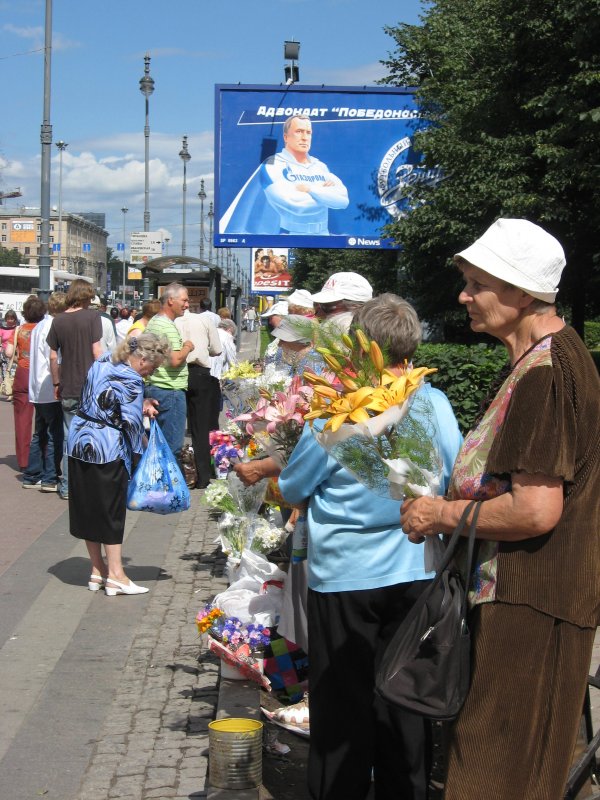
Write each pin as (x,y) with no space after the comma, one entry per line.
(77,244)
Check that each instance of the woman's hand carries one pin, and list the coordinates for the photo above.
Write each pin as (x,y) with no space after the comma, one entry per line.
(150,408)
(421,517)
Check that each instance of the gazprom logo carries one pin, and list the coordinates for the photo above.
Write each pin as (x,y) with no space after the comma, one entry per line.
(352,241)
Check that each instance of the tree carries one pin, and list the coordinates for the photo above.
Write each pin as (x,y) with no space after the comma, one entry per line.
(9,258)
(311,268)
(512,90)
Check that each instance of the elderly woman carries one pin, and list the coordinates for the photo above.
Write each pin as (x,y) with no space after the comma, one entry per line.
(106,436)
(533,461)
(363,577)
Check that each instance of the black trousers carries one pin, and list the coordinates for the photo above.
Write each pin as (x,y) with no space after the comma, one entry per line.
(203,407)
(352,731)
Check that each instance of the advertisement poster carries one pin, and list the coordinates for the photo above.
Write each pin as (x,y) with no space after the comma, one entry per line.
(271,270)
(307,166)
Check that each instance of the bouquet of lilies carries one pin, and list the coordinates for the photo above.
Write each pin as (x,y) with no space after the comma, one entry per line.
(277,420)
(376,422)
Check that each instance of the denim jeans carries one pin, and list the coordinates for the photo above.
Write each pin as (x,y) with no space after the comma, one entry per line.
(70,407)
(46,448)
(171,414)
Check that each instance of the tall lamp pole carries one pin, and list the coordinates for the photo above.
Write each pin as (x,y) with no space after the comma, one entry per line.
(211,216)
(124,210)
(167,240)
(146,88)
(185,157)
(62,146)
(202,196)
(46,141)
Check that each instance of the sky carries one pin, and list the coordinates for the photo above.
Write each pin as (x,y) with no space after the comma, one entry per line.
(97,108)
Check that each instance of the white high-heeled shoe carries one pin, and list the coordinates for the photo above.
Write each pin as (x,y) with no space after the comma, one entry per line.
(116,588)
(96,582)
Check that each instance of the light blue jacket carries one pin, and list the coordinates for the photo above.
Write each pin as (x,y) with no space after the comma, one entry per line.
(355,539)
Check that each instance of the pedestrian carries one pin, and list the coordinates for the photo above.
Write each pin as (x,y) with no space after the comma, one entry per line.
(7,334)
(363,578)
(46,449)
(106,437)
(149,310)
(273,316)
(532,459)
(206,308)
(203,392)
(343,293)
(123,324)
(169,381)
(300,302)
(227,358)
(109,331)
(76,335)
(223,313)
(251,319)
(33,311)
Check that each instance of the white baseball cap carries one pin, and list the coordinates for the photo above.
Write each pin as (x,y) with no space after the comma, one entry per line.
(344,286)
(302,298)
(280,308)
(520,253)
(293,328)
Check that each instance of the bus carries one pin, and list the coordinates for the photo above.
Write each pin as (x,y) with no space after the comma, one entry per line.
(18,283)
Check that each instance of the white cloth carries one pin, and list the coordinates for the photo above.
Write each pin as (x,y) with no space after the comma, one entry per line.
(122,327)
(109,339)
(199,329)
(41,389)
(228,357)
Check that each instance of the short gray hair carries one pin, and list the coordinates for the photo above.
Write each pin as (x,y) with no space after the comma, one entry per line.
(393,323)
(228,325)
(170,291)
(153,348)
(289,120)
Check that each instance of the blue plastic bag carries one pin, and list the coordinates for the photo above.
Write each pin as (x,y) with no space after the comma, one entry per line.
(157,484)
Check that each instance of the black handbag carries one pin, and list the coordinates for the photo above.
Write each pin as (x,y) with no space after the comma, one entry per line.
(426,666)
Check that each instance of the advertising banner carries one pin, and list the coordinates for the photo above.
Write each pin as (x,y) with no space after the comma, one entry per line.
(22,231)
(307,166)
(270,270)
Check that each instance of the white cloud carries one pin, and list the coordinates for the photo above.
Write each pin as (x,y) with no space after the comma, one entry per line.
(35,33)
(365,75)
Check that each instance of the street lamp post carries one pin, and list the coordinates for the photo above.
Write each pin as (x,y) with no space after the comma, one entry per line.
(185,157)
(202,196)
(167,240)
(124,210)
(146,88)
(211,216)
(46,141)
(62,146)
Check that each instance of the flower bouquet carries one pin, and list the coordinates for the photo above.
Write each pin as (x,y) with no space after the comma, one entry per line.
(378,425)
(238,644)
(277,420)
(242,385)
(225,450)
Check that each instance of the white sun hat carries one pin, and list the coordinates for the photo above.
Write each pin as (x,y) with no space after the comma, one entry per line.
(520,253)
(302,298)
(280,308)
(344,286)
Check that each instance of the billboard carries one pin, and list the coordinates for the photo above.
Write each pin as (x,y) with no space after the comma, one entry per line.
(331,180)
(22,231)
(270,270)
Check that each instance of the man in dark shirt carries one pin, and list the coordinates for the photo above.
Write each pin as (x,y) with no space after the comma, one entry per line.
(76,333)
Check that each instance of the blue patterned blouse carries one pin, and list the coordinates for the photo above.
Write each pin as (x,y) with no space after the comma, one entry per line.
(111,423)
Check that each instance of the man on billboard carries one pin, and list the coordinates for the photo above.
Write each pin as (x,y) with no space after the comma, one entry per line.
(291,192)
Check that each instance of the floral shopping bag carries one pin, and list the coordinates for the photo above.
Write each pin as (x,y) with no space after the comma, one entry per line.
(157,484)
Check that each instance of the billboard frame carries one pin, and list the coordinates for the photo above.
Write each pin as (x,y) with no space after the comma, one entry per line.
(402,100)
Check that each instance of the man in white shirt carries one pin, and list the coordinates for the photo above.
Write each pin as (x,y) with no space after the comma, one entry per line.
(203,393)
(46,448)
(227,330)
(123,324)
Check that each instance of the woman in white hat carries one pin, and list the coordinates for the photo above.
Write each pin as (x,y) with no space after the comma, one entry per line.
(534,460)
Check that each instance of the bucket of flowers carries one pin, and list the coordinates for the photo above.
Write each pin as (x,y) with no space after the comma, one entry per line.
(239,645)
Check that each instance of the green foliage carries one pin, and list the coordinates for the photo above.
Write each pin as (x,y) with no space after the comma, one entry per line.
(592,335)
(9,258)
(311,268)
(513,91)
(465,374)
